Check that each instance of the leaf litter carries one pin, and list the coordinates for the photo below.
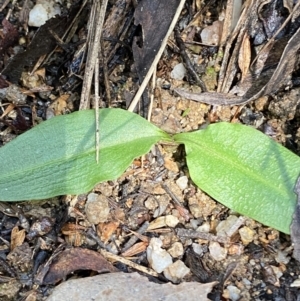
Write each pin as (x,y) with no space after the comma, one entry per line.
(262,257)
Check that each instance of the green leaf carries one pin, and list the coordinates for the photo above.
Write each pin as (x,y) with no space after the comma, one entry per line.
(245,170)
(58,156)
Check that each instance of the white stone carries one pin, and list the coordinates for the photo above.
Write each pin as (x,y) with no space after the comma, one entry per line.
(164,221)
(197,248)
(176,271)
(211,34)
(217,252)
(151,204)
(128,286)
(277,271)
(178,72)
(232,292)
(295,283)
(194,223)
(171,221)
(176,250)
(182,182)
(224,226)
(43,11)
(247,282)
(158,258)
(282,257)
(205,227)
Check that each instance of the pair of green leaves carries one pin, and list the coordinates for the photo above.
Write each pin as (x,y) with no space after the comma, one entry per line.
(235,164)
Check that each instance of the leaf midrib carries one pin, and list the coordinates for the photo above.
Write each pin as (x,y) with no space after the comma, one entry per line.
(239,167)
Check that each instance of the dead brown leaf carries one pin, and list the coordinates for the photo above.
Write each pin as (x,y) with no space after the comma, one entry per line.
(271,81)
(60,104)
(41,73)
(170,165)
(74,259)
(105,230)
(17,237)
(69,228)
(31,81)
(288,4)
(31,296)
(9,36)
(73,233)
(136,249)
(245,56)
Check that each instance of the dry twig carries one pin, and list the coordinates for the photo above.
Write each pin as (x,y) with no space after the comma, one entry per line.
(96,22)
(189,233)
(135,266)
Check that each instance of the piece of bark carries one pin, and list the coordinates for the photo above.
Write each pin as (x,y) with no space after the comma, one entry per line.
(155,17)
(114,27)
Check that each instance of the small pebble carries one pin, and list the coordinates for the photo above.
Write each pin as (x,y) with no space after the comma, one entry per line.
(232,292)
(277,271)
(178,72)
(282,257)
(247,235)
(22,41)
(296,283)
(194,207)
(164,221)
(194,223)
(96,208)
(158,258)
(14,95)
(182,182)
(41,227)
(211,34)
(236,249)
(151,204)
(216,251)
(225,225)
(171,221)
(197,248)
(201,205)
(176,271)
(43,11)
(163,203)
(205,227)
(171,165)
(176,250)
(247,282)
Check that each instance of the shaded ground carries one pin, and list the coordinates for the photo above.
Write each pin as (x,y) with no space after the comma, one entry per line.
(37,236)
